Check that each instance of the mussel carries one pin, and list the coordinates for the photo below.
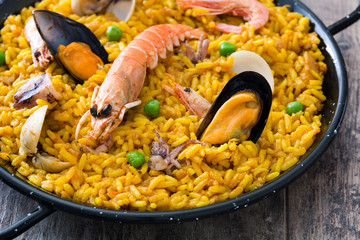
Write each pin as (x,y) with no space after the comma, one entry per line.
(74,46)
(240,111)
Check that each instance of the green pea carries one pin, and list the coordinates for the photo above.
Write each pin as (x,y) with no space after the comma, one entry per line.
(227,48)
(294,107)
(2,58)
(152,108)
(135,158)
(114,33)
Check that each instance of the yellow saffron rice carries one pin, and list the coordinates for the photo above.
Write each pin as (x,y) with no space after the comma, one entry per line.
(208,174)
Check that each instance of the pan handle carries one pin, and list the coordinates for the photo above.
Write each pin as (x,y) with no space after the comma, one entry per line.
(345,22)
(41,212)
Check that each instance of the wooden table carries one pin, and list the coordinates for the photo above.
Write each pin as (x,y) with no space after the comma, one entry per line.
(322,204)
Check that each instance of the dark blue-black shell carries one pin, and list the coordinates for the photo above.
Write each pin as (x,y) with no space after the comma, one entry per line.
(56,29)
(245,81)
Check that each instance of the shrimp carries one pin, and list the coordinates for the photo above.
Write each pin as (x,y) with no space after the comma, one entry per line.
(123,83)
(252,11)
(41,54)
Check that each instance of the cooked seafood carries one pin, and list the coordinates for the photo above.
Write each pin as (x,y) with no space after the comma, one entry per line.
(243,101)
(250,61)
(123,83)
(29,138)
(39,87)
(49,163)
(252,11)
(122,9)
(65,36)
(201,51)
(194,102)
(30,131)
(79,60)
(240,110)
(41,54)
(161,159)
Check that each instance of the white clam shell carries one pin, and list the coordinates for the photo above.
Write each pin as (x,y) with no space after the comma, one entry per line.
(31,130)
(122,9)
(250,61)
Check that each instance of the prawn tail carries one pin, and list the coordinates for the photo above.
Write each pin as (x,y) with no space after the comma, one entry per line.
(227,28)
(211,7)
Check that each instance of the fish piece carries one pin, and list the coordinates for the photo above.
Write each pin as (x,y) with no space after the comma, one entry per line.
(161,159)
(252,11)
(41,54)
(124,81)
(39,87)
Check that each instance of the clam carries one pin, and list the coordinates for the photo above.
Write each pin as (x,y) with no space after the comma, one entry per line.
(250,61)
(240,111)
(29,138)
(122,9)
(74,46)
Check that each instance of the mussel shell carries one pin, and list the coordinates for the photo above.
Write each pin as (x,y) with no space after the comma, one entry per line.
(245,81)
(56,29)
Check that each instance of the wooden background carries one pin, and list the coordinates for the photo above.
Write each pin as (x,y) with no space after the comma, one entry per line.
(322,204)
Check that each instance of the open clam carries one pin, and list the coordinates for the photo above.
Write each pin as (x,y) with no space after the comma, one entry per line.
(29,138)
(72,43)
(122,9)
(240,111)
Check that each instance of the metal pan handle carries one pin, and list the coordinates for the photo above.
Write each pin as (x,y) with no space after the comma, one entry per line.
(41,212)
(345,22)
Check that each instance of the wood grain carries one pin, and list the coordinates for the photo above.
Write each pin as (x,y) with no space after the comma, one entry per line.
(322,204)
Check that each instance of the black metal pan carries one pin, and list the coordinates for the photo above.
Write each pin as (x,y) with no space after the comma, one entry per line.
(335,88)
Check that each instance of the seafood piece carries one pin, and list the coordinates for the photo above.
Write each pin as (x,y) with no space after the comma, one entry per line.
(201,51)
(39,87)
(122,9)
(195,103)
(72,44)
(88,7)
(161,159)
(41,54)
(242,107)
(49,163)
(30,131)
(252,11)
(250,61)
(123,83)
(29,138)
(239,111)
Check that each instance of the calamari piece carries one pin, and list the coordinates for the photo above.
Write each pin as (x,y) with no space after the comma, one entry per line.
(40,52)
(161,159)
(39,87)
(49,163)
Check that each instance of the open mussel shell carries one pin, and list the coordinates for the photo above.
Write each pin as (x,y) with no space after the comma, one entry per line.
(56,29)
(246,81)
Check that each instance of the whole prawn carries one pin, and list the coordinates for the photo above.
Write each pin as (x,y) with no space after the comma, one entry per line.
(251,10)
(123,83)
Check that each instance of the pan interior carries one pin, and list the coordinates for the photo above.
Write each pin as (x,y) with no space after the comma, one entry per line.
(334,88)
